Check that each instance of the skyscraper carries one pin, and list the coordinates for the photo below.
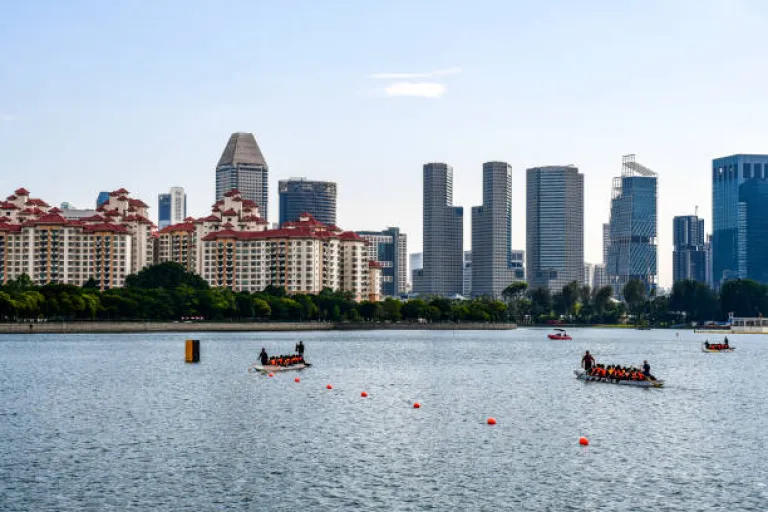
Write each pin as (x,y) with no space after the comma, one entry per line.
(390,249)
(632,251)
(443,238)
(102,198)
(606,240)
(753,216)
(297,196)
(492,233)
(689,258)
(171,207)
(242,167)
(554,226)
(729,242)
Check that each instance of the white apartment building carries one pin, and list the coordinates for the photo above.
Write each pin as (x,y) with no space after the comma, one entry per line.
(38,241)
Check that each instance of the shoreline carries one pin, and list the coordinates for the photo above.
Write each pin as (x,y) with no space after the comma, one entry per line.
(128,327)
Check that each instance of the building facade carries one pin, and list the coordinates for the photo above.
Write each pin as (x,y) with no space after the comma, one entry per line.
(554,226)
(299,196)
(102,198)
(729,237)
(467,275)
(389,248)
(242,167)
(443,235)
(753,220)
(632,253)
(492,233)
(171,207)
(689,257)
(39,241)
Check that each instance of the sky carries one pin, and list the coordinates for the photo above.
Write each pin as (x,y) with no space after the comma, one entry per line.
(144,95)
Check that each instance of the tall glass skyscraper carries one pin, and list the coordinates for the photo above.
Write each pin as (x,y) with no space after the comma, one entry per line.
(492,233)
(443,238)
(297,196)
(390,249)
(753,217)
(171,207)
(730,245)
(689,257)
(632,252)
(102,198)
(242,167)
(554,226)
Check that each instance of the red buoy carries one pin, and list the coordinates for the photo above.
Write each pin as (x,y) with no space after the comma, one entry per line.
(297,379)
(583,441)
(364,394)
(491,421)
(271,374)
(416,405)
(328,386)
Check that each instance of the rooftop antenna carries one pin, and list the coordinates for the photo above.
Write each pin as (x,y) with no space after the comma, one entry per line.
(696,210)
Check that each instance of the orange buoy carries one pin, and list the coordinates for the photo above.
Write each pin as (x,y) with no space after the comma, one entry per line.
(583,441)
(328,386)
(297,379)
(364,394)
(416,405)
(271,374)
(491,421)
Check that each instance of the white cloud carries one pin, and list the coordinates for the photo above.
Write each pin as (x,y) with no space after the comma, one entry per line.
(408,76)
(7,117)
(421,89)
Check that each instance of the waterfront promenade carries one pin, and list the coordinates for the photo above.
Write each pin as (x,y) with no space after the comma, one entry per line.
(116,327)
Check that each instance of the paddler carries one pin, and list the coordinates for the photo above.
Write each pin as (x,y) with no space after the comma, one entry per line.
(647,371)
(300,348)
(263,357)
(587,361)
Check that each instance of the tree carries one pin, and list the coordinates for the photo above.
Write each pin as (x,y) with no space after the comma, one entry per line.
(541,301)
(570,296)
(169,275)
(514,291)
(602,299)
(391,309)
(743,297)
(634,294)
(261,308)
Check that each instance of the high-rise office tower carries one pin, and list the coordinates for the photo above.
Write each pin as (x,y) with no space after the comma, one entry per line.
(632,253)
(102,198)
(298,196)
(689,258)
(390,249)
(466,287)
(554,226)
(753,246)
(171,207)
(606,240)
(492,233)
(443,238)
(242,167)
(730,242)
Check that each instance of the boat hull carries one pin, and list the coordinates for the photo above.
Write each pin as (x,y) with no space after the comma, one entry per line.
(558,337)
(268,368)
(582,375)
(712,350)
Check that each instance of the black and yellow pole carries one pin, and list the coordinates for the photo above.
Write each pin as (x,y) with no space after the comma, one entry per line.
(192,352)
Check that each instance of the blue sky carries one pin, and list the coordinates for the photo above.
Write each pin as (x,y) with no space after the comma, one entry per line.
(142,94)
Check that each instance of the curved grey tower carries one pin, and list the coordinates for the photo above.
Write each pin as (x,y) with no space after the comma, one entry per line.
(242,167)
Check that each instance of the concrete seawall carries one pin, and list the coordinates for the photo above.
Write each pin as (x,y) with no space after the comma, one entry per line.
(114,327)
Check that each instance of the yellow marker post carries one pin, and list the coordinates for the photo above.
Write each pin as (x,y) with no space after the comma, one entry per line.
(192,353)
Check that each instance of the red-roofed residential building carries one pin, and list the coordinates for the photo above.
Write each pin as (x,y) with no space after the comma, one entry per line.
(50,247)
(303,257)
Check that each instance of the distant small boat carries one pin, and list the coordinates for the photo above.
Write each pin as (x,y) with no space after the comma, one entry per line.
(712,348)
(583,375)
(274,368)
(560,335)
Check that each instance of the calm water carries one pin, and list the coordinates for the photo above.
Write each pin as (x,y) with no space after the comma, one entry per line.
(119,422)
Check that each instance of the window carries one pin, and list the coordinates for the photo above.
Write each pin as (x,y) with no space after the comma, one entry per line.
(747,170)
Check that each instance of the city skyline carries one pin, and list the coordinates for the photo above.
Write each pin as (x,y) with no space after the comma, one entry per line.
(121,89)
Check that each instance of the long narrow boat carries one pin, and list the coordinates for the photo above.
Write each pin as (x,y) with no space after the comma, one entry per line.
(582,375)
(273,368)
(705,349)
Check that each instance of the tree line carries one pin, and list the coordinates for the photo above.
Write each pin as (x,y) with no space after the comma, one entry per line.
(168,292)
(688,302)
